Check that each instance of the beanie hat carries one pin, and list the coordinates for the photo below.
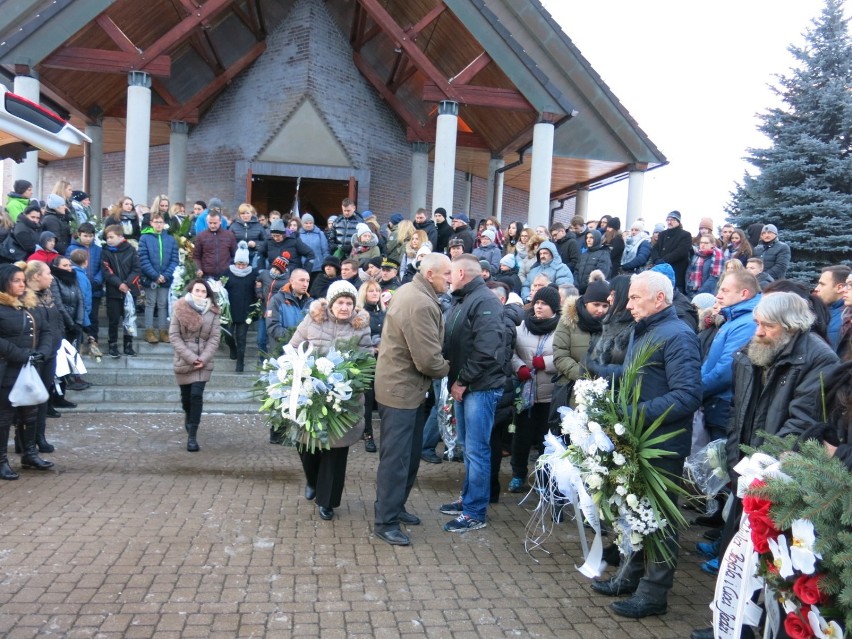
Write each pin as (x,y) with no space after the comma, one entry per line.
(332,260)
(215,203)
(366,215)
(674,215)
(614,223)
(455,241)
(659,227)
(282,262)
(241,256)
(332,219)
(340,288)
(706,223)
(485,265)
(55,201)
(45,237)
(549,296)
(396,218)
(307,217)
(461,217)
(770,228)
(361,228)
(376,261)
(441,211)
(79,196)
(277,226)
(423,250)
(508,261)
(703,301)
(666,270)
(597,291)
(21,186)
(490,234)
(639,225)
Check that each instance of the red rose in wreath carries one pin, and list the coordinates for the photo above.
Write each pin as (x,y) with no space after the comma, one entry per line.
(806,588)
(797,625)
(762,530)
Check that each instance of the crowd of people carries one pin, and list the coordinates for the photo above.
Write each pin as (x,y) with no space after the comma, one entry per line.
(508,318)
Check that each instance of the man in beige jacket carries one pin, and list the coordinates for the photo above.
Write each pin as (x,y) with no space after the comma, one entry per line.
(409,359)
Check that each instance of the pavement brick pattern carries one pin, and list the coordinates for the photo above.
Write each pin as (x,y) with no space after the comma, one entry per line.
(130,536)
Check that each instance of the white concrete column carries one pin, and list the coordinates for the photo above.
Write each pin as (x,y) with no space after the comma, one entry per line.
(419,175)
(178,144)
(138,136)
(581,205)
(541,169)
(28,87)
(492,206)
(468,193)
(445,156)
(95,177)
(635,190)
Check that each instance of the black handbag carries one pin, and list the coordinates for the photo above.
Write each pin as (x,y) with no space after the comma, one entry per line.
(10,251)
(560,397)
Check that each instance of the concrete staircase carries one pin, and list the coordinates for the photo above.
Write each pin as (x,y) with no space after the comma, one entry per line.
(146,383)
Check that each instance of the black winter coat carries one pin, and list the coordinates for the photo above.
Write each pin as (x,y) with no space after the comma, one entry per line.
(685,310)
(672,377)
(121,265)
(21,333)
(674,247)
(241,294)
(431,231)
(26,233)
(60,225)
(445,234)
(474,340)
(250,231)
(68,299)
(466,236)
(606,357)
(784,399)
(595,258)
(569,251)
(510,278)
(301,255)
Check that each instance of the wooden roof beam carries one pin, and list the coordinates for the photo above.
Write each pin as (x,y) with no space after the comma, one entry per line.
(116,34)
(160,113)
(221,81)
(101,61)
(389,96)
(415,30)
(179,32)
(384,20)
(466,140)
(507,99)
(467,74)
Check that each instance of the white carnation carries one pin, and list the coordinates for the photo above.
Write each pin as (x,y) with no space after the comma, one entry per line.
(632,500)
(594,482)
(618,459)
(619,429)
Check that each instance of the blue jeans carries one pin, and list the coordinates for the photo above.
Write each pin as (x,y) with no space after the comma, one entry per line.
(431,433)
(474,421)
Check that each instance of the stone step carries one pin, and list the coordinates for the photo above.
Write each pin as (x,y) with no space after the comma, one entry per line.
(223,376)
(160,408)
(128,397)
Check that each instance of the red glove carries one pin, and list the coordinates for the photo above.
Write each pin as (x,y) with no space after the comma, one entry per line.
(538,363)
(524,374)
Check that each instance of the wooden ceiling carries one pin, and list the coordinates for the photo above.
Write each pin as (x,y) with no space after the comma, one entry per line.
(415,53)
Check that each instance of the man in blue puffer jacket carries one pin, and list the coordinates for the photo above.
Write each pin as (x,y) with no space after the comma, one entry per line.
(550,264)
(738,295)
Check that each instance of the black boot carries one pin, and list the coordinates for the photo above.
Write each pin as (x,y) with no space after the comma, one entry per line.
(30,458)
(113,350)
(240,334)
(19,441)
(191,443)
(6,471)
(128,346)
(41,423)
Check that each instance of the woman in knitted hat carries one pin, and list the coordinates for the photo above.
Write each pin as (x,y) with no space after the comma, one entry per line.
(241,295)
(365,245)
(332,321)
(534,367)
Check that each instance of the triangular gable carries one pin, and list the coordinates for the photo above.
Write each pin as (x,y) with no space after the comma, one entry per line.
(305,138)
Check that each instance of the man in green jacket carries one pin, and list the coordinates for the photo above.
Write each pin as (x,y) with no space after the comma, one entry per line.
(409,359)
(18,199)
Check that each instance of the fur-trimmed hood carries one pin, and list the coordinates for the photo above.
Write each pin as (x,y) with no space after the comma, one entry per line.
(319,312)
(29,300)
(570,317)
(188,317)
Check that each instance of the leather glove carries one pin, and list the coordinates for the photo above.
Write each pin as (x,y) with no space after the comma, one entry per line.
(524,374)
(37,357)
(538,363)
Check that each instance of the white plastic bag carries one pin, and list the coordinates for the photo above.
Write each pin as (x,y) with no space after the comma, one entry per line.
(707,468)
(129,314)
(28,390)
(72,356)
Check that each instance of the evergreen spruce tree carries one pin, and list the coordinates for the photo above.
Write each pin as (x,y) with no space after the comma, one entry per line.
(804,180)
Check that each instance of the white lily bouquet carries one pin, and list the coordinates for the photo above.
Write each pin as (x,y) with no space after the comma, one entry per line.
(222,301)
(315,400)
(605,469)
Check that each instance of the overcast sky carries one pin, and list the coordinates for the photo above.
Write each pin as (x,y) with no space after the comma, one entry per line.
(694,76)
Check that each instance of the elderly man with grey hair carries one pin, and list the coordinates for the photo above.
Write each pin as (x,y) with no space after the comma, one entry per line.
(671,381)
(777,385)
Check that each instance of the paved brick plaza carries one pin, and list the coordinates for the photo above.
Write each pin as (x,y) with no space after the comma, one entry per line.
(131,536)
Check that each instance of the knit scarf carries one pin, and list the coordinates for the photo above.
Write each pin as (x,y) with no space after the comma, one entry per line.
(540,326)
(240,272)
(195,307)
(585,321)
(695,278)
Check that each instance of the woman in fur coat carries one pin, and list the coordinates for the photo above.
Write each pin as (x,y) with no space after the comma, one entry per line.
(329,321)
(194,334)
